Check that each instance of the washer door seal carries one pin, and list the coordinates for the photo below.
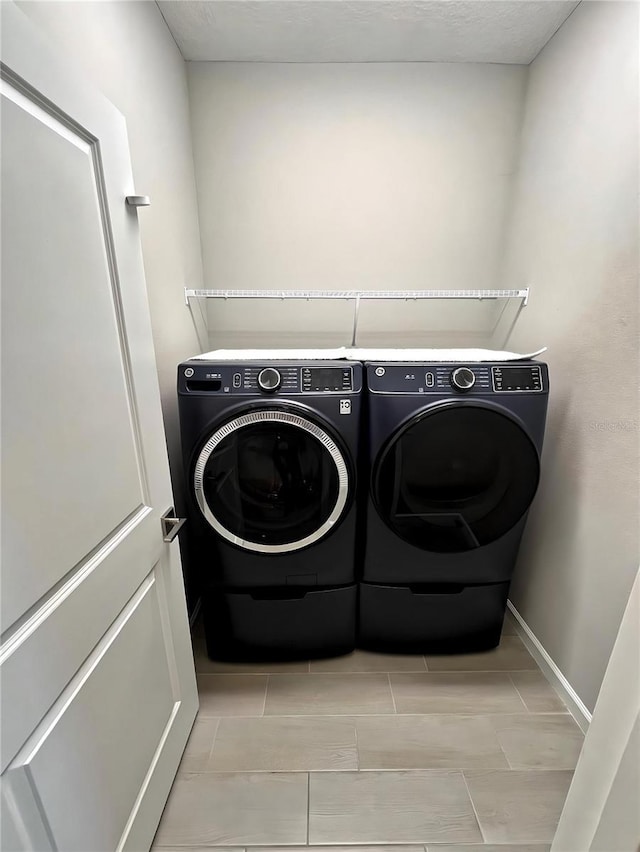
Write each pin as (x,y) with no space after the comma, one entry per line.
(271,481)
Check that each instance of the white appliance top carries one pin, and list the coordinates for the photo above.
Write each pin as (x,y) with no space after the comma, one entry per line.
(418,355)
(355,353)
(272,354)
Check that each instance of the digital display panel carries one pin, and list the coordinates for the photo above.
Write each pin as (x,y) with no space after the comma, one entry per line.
(326,379)
(517,379)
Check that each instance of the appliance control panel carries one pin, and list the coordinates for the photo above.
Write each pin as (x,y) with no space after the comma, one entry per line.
(455,379)
(275,378)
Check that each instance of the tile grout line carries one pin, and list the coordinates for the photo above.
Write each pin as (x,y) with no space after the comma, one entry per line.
(455,713)
(351,672)
(498,740)
(475,812)
(382,771)
(472,671)
(529,770)
(515,686)
(246,674)
(393,698)
(215,736)
(355,733)
(308,805)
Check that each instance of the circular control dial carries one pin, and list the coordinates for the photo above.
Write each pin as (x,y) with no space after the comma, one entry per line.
(463,379)
(269,379)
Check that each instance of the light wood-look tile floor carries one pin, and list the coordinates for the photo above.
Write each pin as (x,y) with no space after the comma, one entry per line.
(468,753)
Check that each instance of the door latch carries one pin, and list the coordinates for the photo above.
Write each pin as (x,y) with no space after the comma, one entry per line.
(171,525)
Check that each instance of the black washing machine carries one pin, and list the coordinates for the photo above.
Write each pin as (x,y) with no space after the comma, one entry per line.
(454,463)
(270,453)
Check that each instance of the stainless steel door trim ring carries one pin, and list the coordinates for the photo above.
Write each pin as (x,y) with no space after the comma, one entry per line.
(272,417)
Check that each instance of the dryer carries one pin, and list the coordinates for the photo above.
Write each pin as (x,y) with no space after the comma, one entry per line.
(453,464)
(269,452)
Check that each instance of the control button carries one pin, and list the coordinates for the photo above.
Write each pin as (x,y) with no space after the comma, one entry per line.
(269,379)
(429,380)
(463,379)
(188,372)
(237,380)
(380,371)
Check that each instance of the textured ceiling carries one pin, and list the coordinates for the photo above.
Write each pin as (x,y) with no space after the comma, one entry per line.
(364,30)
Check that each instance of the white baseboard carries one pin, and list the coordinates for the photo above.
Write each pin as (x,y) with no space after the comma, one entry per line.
(551,671)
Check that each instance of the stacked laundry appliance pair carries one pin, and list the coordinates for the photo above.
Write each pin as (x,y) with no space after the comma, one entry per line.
(337,502)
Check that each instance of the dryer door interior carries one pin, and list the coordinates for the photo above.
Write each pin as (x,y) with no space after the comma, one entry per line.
(271,481)
(456,478)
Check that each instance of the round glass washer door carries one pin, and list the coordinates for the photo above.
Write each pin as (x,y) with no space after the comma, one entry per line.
(271,481)
(455,478)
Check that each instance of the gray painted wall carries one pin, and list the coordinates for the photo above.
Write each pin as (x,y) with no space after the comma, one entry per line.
(340,176)
(126,50)
(574,241)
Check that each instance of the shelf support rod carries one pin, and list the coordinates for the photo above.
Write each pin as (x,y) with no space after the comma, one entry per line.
(523,302)
(356,312)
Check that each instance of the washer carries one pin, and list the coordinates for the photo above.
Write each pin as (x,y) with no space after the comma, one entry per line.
(270,453)
(454,464)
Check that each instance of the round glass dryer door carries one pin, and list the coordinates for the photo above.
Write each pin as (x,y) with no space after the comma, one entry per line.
(271,481)
(456,478)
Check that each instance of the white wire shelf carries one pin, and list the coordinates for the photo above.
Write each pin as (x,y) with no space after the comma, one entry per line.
(358,296)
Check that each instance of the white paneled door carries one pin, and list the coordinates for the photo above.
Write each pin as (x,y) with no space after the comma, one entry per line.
(98,688)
